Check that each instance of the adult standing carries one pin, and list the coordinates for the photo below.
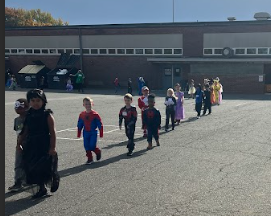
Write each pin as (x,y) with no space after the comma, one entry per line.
(130,90)
(80,77)
(141,84)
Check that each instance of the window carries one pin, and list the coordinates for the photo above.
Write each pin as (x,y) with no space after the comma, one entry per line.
(208,51)
(69,51)
(14,50)
(111,51)
(158,51)
(36,51)
(168,51)
(269,51)
(85,51)
(129,51)
(21,51)
(94,51)
(102,51)
(251,51)
(76,51)
(60,51)
(262,51)
(7,51)
(44,51)
(29,51)
(138,51)
(178,51)
(148,51)
(218,51)
(52,51)
(177,72)
(121,51)
(240,51)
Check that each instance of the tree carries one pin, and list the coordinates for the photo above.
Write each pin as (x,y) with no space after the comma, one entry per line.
(20,17)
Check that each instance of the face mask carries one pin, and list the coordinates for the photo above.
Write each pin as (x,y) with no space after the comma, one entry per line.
(18,104)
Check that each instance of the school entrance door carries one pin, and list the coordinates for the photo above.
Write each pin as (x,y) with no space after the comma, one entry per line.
(171,75)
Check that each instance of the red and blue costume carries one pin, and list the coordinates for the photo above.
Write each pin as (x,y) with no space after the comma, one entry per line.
(152,122)
(90,122)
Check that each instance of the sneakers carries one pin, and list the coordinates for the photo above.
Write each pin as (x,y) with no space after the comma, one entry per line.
(149,147)
(157,144)
(198,117)
(89,162)
(130,153)
(16,187)
(98,156)
(40,194)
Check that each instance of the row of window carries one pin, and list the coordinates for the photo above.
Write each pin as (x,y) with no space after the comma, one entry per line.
(239,51)
(147,51)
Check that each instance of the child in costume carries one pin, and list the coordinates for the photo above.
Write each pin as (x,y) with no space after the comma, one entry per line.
(170,103)
(192,89)
(207,100)
(69,86)
(39,149)
(90,120)
(179,114)
(129,114)
(199,98)
(217,88)
(143,104)
(21,108)
(13,84)
(152,121)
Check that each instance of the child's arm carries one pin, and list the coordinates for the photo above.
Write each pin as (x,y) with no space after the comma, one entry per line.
(80,125)
(159,119)
(52,130)
(120,118)
(100,125)
(140,103)
(22,137)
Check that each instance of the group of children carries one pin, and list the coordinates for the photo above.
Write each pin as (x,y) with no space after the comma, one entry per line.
(36,158)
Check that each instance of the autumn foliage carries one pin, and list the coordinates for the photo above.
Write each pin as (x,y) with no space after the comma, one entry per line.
(20,17)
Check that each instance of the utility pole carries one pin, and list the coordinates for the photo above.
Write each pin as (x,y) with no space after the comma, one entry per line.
(173,1)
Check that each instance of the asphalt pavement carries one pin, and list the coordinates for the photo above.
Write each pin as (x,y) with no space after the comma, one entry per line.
(219,165)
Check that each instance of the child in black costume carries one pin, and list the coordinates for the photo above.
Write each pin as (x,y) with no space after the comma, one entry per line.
(38,141)
(170,103)
(152,121)
(129,114)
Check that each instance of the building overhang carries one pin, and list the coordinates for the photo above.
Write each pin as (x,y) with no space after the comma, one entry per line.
(209,60)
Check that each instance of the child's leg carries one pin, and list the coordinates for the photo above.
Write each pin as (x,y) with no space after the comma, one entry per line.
(93,146)
(149,138)
(210,108)
(205,108)
(167,118)
(19,171)
(156,136)
(130,135)
(87,145)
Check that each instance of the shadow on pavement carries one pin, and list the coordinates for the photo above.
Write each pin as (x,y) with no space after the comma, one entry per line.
(16,206)
(83,167)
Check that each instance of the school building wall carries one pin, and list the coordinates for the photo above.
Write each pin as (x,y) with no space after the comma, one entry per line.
(192,38)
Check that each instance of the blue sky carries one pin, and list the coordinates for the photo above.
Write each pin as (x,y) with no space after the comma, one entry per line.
(88,12)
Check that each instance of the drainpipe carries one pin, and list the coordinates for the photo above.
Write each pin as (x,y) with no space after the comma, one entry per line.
(81,49)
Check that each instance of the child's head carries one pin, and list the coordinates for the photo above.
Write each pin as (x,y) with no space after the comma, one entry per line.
(145,90)
(177,87)
(128,99)
(36,98)
(170,92)
(21,106)
(151,100)
(88,103)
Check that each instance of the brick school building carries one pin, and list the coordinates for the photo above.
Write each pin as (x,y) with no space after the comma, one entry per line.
(238,52)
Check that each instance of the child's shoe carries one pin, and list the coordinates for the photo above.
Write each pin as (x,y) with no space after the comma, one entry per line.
(98,156)
(89,162)
(130,153)
(149,147)
(16,187)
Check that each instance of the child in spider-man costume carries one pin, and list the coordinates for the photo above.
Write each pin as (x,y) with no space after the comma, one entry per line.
(90,120)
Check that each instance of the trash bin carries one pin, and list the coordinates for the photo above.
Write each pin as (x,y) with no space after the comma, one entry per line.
(30,75)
